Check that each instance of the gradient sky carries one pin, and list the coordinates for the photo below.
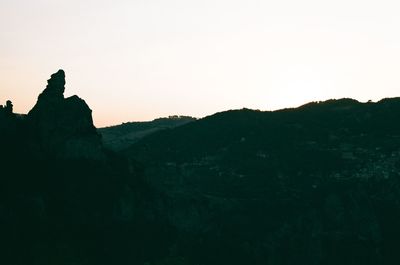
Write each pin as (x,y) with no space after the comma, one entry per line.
(143,59)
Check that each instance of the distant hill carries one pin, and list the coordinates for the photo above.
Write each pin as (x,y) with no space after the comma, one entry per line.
(122,136)
(316,132)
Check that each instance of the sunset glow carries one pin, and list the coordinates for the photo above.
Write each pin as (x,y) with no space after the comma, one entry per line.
(139,60)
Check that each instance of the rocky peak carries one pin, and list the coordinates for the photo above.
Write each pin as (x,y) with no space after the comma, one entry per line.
(56,83)
(63,126)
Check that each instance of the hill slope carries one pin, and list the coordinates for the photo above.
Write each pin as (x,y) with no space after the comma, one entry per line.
(314,185)
(121,136)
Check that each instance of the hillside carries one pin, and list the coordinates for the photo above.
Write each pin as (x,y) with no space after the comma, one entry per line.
(318,184)
(121,136)
(318,138)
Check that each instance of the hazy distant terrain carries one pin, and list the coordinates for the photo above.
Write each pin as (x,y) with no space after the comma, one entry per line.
(318,184)
(121,136)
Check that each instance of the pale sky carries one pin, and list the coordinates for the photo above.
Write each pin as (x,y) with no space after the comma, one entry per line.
(142,59)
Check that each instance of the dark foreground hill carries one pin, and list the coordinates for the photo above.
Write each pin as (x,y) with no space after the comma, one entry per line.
(314,185)
(319,184)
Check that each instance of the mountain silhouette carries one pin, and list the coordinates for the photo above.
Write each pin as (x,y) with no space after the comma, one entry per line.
(318,184)
(309,185)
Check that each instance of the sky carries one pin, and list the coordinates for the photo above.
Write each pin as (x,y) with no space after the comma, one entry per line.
(136,60)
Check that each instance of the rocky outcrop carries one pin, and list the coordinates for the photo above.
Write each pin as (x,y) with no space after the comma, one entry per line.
(62,193)
(63,126)
(10,125)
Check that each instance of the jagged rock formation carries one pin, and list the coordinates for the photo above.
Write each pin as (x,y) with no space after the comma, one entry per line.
(64,126)
(64,199)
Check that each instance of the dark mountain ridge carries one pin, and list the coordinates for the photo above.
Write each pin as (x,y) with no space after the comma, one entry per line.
(323,121)
(318,184)
(310,185)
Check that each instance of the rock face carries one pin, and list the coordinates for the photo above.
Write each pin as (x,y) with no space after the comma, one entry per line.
(64,199)
(63,126)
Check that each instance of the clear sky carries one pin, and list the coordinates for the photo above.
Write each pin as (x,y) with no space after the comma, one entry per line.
(143,59)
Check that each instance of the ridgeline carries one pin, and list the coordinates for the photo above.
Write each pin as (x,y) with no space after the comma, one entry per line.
(318,184)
